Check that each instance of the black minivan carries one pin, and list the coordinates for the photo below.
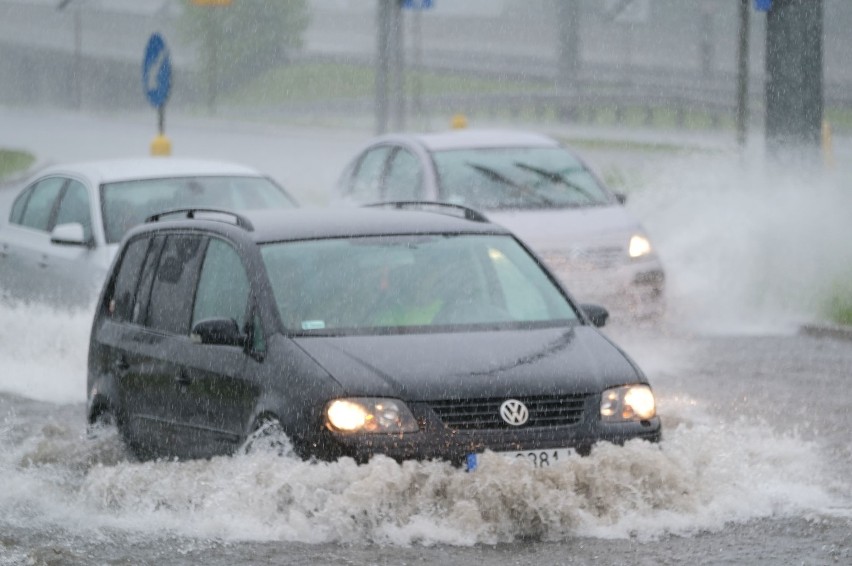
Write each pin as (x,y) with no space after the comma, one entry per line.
(410,333)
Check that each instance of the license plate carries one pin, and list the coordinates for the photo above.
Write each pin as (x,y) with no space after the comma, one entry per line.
(536,458)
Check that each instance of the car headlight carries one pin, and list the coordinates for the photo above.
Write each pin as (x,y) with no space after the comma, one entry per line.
(368,414)
(628,403)
(639,246)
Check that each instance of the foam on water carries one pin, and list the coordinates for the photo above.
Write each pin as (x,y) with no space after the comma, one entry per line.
(704,475)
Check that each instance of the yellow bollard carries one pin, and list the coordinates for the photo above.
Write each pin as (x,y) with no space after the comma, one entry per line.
(459,122)
(161,146)
(827,149)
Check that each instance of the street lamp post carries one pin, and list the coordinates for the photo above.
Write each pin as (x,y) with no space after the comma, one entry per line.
(794,71)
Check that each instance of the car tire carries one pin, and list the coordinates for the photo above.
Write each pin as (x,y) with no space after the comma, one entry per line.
(102,425)
(102,418)
(267,435)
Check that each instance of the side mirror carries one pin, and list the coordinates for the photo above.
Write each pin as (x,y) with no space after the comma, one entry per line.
(621,198)
(596,314)
(218,332)
(71,234)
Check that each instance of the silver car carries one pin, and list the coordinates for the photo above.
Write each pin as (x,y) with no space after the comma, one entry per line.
(534,186)
(61,231)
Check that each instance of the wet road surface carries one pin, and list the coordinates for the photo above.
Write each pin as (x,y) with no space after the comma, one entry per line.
(753,469)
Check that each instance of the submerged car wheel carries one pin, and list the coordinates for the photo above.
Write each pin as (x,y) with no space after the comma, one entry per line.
(267,436)
(105,432)
(100,419)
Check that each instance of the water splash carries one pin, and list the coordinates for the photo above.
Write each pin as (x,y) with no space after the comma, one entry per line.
(704,475)
(43,352)
(747,245)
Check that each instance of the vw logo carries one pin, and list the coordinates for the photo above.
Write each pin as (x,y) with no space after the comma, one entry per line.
(514,412)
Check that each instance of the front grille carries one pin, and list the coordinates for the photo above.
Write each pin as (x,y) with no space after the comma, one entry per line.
(484,414)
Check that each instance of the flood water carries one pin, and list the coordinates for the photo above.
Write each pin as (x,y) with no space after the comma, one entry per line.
(754,464)
(753,467)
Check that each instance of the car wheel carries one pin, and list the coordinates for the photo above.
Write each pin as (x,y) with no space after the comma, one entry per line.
(267,435)
(109,445)
(101,420)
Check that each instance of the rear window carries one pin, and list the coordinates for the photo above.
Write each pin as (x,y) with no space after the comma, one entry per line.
(411,283)
(128,203)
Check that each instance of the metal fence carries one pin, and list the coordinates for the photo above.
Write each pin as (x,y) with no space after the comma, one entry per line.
(677,59)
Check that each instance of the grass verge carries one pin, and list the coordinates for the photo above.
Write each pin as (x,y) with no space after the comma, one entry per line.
(655,147)
(13,161)
(840,304)
(329,81)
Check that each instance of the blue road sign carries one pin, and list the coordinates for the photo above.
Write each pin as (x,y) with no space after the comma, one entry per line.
(156,71)
(417,4)
(762,5)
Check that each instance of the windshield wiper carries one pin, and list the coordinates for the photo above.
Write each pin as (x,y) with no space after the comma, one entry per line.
(556,177)
(500,178)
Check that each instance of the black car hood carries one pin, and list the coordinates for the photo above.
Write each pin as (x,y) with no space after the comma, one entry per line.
(430,366)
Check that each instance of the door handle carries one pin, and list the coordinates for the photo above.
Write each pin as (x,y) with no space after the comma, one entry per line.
(183,379)
(43,261)
(120,363)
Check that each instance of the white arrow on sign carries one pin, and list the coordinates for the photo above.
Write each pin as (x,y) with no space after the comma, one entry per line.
(154,73)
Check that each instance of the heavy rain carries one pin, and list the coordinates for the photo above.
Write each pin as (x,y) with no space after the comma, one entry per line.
(726,125)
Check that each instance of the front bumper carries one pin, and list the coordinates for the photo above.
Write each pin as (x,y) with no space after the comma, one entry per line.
(434,441)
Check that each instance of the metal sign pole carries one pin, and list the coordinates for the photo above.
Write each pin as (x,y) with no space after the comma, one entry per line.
(156,83)
(742,74)
(382,64)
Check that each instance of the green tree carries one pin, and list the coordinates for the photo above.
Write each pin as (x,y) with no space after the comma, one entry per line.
(240,40)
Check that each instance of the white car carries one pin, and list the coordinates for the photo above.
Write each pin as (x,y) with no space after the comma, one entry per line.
(534,186)
(59,236)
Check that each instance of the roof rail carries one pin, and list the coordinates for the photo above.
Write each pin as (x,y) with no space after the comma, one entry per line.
(443,208)
(190,213)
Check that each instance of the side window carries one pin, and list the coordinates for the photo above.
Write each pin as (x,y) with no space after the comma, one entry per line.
(367,182)
(223,288)
(19,205)
(74,207)
(41,203)
(403,180)
(170,305)
(143,290)
(258,338)
(127,280)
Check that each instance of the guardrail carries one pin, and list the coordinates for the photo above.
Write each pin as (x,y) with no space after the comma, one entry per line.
(685,98)
(634,95)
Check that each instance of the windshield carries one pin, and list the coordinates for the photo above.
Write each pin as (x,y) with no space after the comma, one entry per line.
(128,203)
(410,284)
(522,177)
